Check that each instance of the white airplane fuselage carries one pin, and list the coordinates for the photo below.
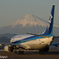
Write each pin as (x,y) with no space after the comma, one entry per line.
(31,41)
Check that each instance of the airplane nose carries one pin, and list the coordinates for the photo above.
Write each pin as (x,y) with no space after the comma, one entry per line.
(11,40)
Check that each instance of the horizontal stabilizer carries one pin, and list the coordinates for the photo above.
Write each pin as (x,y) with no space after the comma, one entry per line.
(56,37)
(55,44)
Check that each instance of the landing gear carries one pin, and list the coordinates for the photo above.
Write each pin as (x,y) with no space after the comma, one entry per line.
(15,51)
(19,52)
(42,51)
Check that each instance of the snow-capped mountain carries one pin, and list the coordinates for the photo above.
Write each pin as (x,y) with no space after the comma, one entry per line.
(28,23)
(29,20)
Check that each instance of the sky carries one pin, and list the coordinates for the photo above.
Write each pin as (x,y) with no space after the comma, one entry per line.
(12,10)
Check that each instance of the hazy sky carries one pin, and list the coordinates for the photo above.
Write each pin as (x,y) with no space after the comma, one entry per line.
(12,10)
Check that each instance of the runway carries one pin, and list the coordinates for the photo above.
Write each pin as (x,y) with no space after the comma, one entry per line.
(52,54)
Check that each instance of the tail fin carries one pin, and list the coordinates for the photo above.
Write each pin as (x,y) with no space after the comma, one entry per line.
(49,29)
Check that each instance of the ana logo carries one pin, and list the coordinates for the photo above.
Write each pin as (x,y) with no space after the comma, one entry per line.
(50,21)
(50,18)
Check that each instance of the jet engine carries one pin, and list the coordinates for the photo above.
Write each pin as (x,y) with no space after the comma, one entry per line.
(8,49)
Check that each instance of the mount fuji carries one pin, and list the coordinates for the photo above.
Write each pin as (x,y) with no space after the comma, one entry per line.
(28,23)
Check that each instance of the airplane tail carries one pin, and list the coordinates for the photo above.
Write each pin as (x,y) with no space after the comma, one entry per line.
(49,29)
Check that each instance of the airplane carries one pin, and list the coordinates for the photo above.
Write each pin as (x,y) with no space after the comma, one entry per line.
(32,41)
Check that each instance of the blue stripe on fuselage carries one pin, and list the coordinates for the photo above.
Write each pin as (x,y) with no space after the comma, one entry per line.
(29,39)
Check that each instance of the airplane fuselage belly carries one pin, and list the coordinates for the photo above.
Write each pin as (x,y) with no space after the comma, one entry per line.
(37,46)
(38,43)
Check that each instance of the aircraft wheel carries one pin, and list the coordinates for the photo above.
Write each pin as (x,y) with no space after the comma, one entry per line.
(15,51)
(20,52)
(41,52)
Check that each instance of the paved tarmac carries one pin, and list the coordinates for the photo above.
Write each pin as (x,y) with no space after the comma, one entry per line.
(52,54)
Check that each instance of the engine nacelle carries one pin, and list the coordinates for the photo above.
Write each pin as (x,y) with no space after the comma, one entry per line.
(8,49)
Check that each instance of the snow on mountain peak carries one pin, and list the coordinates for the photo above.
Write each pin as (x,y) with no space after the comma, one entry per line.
(30,20)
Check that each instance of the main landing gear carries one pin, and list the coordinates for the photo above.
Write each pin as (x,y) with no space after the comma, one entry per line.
(19,52)
(42,51)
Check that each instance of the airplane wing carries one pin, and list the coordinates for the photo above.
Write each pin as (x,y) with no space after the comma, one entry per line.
(14,45)
(38,35)
(4,43)
(56,36)
(55,44)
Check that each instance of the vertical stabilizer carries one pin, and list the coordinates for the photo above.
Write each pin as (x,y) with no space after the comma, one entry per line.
(49,29)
